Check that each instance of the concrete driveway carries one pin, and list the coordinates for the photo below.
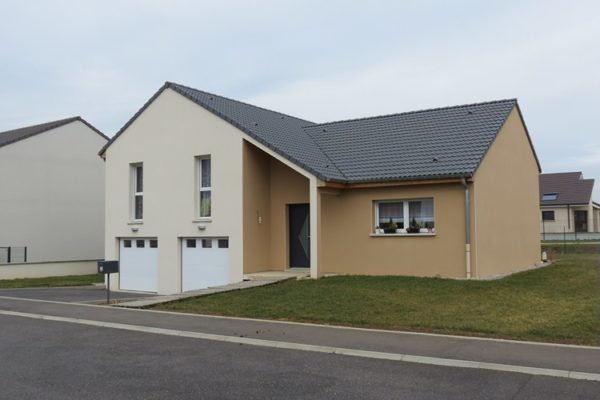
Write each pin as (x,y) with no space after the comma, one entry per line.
(74,294)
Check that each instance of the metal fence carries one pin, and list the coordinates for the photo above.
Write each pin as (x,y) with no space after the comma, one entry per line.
(13,254)
(570,236)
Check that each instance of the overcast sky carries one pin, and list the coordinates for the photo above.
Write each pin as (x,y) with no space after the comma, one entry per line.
(313,59)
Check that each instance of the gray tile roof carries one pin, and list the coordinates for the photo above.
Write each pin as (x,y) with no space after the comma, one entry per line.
(14,135)
(428,144)
(436,143)
(570,187)
(280,132)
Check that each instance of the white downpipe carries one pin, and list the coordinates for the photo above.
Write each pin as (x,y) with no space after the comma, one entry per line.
(314,209)
(467,229)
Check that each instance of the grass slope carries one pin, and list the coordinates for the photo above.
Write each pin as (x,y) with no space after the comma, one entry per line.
(54,281)
(559,303)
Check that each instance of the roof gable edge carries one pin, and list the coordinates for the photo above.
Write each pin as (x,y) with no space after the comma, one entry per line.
(515,106)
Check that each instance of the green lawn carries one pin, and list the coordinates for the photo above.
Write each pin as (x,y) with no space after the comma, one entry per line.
(54,281)
(559,303)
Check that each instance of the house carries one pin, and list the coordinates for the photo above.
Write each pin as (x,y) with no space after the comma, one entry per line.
(51,199)
(566,204)
(202,190)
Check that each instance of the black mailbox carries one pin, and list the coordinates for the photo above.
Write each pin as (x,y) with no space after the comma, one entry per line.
(108,267)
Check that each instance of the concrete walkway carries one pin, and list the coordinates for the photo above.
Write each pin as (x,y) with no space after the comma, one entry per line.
(251,281)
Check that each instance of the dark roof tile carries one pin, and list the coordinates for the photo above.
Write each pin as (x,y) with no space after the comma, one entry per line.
(389,147)
(15,135)
(570,188)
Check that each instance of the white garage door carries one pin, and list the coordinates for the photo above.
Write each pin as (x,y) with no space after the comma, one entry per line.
(139,264)
(204,263)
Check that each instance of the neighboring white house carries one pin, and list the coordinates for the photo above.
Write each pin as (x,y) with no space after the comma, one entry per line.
(567,206)
(51,199)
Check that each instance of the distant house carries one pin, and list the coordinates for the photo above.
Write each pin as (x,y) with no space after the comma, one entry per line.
(51,199)
(202,189)
(566,203)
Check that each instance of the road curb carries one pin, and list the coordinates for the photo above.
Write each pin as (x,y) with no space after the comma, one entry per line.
(445,362)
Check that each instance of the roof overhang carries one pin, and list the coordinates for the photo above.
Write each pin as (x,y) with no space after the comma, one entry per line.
(564,205)
(392,183)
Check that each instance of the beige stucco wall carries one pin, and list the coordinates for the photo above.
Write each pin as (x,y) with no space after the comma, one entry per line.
(167,137)
(42,270)
(287,187)
(347,222)
(52,194)
(269,187)
(257,209)
(506,204)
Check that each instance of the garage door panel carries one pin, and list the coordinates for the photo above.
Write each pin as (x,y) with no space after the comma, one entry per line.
(139,264)
(204,265)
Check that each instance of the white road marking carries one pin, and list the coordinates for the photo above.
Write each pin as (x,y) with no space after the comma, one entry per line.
(446,362)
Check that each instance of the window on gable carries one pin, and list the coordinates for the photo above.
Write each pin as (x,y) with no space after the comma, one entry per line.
(137,194)
(204,185)
(549,196)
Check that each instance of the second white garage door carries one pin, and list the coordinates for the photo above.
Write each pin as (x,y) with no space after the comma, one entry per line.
(204,263)
(139,264)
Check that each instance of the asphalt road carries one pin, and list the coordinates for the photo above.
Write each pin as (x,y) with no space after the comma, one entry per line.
(75,357)
(54,360)
(87,294)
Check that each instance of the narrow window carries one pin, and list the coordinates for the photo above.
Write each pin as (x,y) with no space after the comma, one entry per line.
(127,243)
(549,196)
(206,243)
(190,243)
(204,187)
(223,243)
(548,215)
(153,243)
(138,191)
(140,243)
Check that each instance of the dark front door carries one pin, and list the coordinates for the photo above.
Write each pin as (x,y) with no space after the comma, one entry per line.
(580,221)
(299,235)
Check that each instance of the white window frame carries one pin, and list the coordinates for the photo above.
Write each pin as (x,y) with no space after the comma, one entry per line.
(200,188)
(134,192)
(405,213)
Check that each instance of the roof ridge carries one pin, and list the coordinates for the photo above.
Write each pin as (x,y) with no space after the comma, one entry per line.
(26,132)
(169,84)
(325,153)
(51,124)
(514,100)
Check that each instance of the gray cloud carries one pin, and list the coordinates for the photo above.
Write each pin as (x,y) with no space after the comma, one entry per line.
(321,61)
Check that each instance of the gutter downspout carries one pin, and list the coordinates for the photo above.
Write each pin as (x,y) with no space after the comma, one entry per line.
(467,228)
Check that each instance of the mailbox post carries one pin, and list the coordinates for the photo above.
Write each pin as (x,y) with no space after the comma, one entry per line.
(107,268)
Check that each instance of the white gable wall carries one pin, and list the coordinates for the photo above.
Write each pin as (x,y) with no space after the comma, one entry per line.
(166,138)
(52,194)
